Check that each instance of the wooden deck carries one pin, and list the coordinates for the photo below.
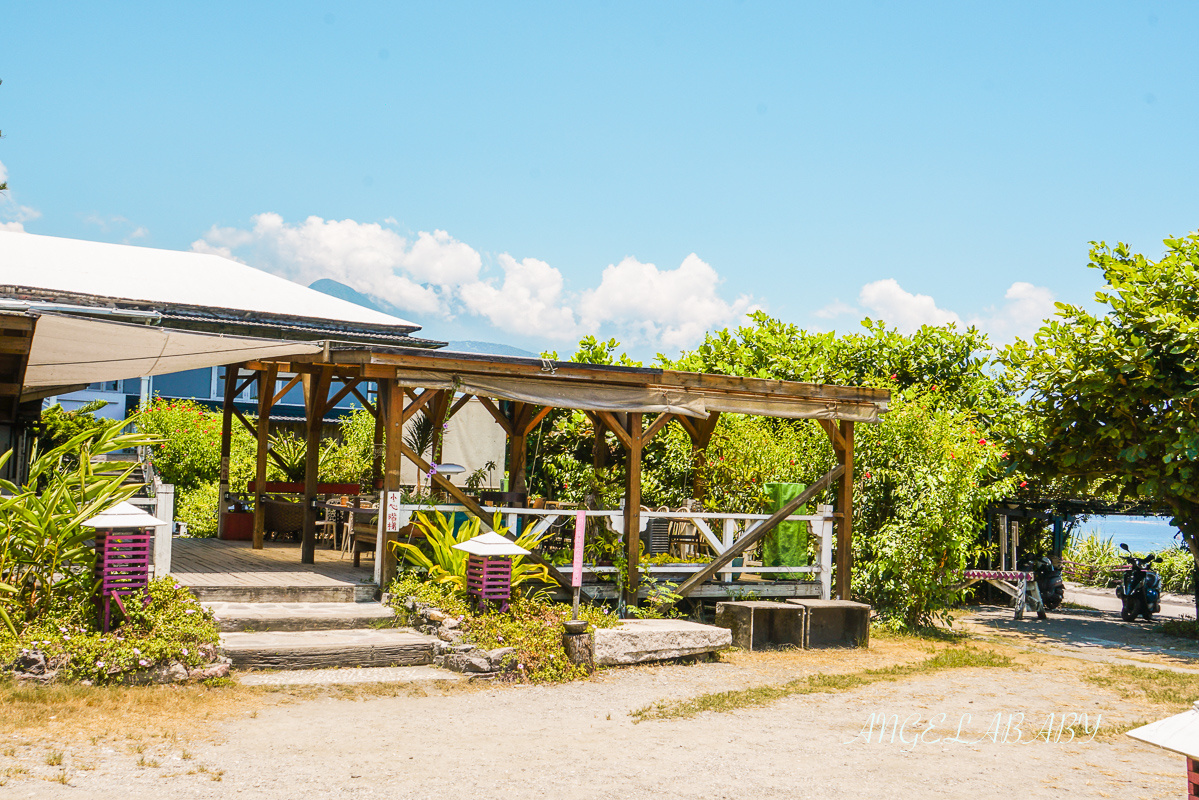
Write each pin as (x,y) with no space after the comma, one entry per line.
(234,572)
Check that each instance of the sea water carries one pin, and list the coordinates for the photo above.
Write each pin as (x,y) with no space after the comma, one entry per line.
(1141,534)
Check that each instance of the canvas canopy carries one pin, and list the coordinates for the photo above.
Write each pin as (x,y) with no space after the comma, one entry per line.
(70,351)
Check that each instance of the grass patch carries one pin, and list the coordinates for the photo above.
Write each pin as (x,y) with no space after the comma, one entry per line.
(1182,628)
(757,696)
(1165,687)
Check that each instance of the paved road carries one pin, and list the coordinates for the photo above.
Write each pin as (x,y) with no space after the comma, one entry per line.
(1174,606)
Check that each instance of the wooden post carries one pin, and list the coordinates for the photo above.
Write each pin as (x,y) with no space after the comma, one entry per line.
(845,506)
(632,507)
(518,449)
(380,427)
(266,393)
(391,411)
(232,375)
(439,411)
(316,392)
(599,450)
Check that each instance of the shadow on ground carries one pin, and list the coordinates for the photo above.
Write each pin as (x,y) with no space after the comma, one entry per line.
(1097,631)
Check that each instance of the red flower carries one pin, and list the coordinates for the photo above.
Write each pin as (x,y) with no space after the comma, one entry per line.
(866,476)
(895,377)
(982,441)
(1023,484)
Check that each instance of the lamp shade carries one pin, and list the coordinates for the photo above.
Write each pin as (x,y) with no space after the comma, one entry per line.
(491,544)
(124,515)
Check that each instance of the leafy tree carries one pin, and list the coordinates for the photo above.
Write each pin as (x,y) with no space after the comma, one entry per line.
(1113,397)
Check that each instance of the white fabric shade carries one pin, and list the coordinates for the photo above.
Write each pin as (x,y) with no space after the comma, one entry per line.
(1178,734)
(68,351)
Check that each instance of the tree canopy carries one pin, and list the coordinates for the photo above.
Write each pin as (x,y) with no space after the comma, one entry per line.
(1112,398)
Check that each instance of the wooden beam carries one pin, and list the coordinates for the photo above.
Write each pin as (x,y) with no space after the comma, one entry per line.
(701,436)
(418,402)
(315,396)
(834,435)
(845,506)
(540,415)
(365,403)
(439,413)
(494,410)
(518,449)
(377,449)
(253,377)
(474,508)
(599,449)
(345,389)
(463,400)
(279,395)
(232,373)
(689,426)
(632,508)
(657,425)
(389,425)
(614,425)
(758,533)
(266,394)
(245,422)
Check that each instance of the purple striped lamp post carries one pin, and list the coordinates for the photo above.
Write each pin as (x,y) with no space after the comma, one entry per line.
(124,537)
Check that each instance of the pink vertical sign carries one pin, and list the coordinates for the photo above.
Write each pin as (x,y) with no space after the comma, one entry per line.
(580,527)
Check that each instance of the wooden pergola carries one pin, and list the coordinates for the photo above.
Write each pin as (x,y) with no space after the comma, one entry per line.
(634,404)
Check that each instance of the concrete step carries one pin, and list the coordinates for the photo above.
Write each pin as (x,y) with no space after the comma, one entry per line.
(387,647)
(254,617)
(349,677)
(347,593)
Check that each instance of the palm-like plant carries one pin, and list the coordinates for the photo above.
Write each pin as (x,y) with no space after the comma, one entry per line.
(44,551)
(447,565)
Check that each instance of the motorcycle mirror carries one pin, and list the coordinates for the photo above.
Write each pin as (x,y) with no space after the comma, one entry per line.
(1124,547)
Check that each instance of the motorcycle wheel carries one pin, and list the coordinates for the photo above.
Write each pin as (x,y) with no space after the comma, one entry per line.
(1148,615)
(1127,615)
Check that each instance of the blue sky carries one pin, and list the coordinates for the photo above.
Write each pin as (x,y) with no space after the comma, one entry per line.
(529,172)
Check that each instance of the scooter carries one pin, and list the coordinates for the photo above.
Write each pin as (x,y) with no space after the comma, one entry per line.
(1140,589)
(1049,581)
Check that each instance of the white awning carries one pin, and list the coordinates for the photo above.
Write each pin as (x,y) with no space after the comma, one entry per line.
(68,351)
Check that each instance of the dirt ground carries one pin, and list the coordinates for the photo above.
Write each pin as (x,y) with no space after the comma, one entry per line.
(581,740)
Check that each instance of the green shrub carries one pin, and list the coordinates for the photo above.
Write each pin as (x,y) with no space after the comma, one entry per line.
(1175,566)
(198,509)
(166,623)
(189,451)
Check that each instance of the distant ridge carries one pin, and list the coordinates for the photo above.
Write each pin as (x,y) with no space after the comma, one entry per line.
(342,292)
(490,348)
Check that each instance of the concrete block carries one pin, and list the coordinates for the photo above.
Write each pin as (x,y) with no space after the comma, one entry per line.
(636,641)
(836,623)
(762,624)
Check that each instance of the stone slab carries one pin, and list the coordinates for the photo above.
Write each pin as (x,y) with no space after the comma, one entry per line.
(353,675)
(636,641)
(386,647)
(298,616)
(346,593)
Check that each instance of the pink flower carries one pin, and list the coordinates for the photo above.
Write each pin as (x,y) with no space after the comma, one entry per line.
(143,662)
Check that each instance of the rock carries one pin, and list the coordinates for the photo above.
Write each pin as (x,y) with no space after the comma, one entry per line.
(31,661)
(385,598)
(440,648)
(41,677)
(436,615)
(439,661)
(159,673)
(500,655)
(219,669)
(462,648)
(451,623)
(208,651)
(449,635)
(410,604)
(467,662)
(638,640)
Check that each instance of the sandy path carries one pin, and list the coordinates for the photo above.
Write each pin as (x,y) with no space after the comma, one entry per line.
(578,740)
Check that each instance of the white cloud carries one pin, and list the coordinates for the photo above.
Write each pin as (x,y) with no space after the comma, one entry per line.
(529,301)
(835,309)
(671,309)
(434,275)
(13,215)
(902,309)
(1026,309)
(416,276)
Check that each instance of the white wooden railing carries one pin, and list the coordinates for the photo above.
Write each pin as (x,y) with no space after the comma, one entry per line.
(720,530)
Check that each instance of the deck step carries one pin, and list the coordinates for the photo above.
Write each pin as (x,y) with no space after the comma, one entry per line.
(347,593)
(255,617)
(388,647)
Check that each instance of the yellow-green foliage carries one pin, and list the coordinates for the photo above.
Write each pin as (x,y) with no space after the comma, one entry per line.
(448,565)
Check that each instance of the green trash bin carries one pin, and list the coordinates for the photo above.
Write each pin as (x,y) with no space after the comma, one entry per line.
(787,544)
